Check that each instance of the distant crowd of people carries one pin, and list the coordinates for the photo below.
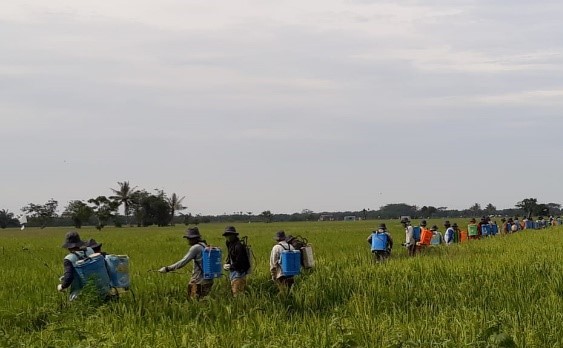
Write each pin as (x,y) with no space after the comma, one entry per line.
(419,237)
(286,257)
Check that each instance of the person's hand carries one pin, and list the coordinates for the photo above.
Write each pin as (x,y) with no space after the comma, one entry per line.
(163,270)
(60,287)
(227,267)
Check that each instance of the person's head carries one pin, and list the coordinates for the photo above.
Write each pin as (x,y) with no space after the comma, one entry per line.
(405,222)
(454,225)
(423,223)
(473,220)
(510,220)
(382,226)
(280,236)
(73,241)
(434,228)
(447,224)
(503,220)
(230,233)
(97,247)
(192,235)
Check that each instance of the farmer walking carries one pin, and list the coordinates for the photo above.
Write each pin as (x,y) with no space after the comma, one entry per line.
(237,262)
(77,251)
(198,287)
(449,235)
(284,282)
(410,242)
(381,243)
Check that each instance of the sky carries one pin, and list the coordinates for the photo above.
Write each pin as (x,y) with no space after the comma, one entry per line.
(327,105)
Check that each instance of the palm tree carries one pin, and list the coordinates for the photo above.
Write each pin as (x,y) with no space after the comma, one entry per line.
(175,205)
(123,195)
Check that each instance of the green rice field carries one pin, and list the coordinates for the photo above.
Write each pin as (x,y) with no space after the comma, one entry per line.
(497,292)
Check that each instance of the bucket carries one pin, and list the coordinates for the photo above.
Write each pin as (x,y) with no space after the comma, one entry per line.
(212,267)
(307,258)
(94,267)
(118,269)
(379,241)
(472,230)
(290,262)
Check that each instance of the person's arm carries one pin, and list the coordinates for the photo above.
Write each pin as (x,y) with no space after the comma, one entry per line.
(369,239)
(68,276)
(190,255)
(390,240)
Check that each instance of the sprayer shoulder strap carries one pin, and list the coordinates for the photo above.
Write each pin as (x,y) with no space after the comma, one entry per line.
(280,244)
(195,260)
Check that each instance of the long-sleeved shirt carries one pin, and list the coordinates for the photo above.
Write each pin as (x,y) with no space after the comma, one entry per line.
(275,258)
(195,253)
(409,234)
(237,257)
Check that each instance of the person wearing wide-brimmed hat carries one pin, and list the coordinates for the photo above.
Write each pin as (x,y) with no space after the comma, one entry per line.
(284,282)
(237,262)
(198,287)
(381,255)
(450,234)
(77,251)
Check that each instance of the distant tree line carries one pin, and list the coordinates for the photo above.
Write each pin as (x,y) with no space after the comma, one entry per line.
(143,208)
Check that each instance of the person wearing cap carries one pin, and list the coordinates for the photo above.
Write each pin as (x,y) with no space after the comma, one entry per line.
(77,250)
(410,242)
(237,262)
(381,255)
(198,287)
(284,282)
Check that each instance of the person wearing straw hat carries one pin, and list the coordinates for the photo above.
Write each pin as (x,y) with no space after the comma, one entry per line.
(284,282)
(198,287)
(77,251)
(237,263)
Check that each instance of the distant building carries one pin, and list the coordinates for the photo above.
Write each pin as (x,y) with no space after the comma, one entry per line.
(326,217)
(350,218)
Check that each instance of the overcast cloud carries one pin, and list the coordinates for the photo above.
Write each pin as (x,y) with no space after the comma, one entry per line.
(282,105)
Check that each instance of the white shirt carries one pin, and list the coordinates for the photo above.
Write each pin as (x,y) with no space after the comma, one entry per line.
(275,258)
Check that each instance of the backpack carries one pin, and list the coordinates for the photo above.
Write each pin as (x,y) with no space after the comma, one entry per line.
(416,232)
(211,265)
(290,261)
(302,244)
(249,253)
